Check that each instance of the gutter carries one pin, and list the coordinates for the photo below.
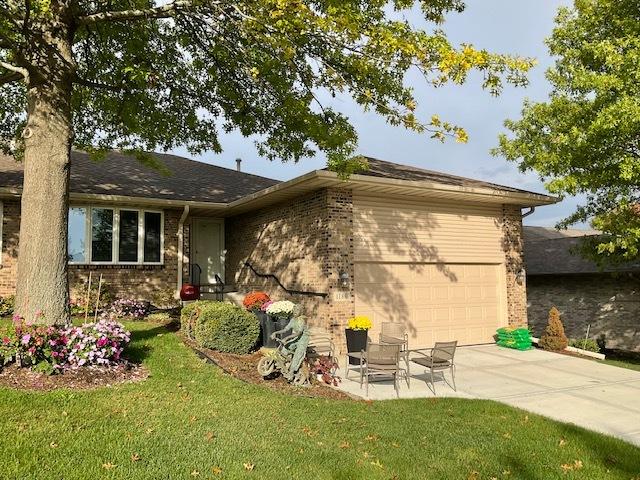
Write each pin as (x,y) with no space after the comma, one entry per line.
(104,197)
(531,210)
(183,217)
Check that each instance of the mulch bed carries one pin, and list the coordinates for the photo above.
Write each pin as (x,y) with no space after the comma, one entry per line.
(243,367)
(84,378)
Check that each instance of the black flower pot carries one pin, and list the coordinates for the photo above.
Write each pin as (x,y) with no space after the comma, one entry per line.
(356,341)
(265,328)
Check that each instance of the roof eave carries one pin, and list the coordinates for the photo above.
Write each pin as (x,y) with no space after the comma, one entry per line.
(321,179)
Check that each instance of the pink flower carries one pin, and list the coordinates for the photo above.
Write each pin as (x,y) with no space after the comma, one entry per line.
(265,305)
(26,338)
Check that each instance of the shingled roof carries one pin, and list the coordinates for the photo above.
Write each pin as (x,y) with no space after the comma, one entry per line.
(548,251)
(121,174)
(384,169)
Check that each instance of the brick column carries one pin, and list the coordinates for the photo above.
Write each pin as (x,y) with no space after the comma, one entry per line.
(339,259)
(512,243)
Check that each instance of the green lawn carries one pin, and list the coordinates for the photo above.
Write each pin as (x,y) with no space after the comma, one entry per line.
(632,363)
(189,420)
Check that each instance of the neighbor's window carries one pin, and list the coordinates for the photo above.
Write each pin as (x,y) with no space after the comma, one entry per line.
(112,235)
(77,234)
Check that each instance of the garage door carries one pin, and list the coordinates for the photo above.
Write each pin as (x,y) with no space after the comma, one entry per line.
(437,267)
(434,302)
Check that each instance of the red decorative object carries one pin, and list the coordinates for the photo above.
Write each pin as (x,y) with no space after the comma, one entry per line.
(189,292)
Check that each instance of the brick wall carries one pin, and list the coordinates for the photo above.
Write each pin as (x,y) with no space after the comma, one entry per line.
(512,244)
(610,303)
(10,236)
(130,281)
(306,243)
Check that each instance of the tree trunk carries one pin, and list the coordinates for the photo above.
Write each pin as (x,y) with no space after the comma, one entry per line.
(42,294)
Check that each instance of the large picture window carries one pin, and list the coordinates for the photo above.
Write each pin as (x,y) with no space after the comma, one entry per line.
(111,235)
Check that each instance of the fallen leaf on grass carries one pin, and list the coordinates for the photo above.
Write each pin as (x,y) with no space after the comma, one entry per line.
(135,457)
(195,473)
(377,464)
(473,476)
(345,445)
(568,467)
(108,466)
(216,470)
(210,436)
(506,435)
(249,466)
(53,445)
(562,442)
(372,438)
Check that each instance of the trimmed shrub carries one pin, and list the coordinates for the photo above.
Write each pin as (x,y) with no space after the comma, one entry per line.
(553,338)
(227,328)
(589,344)
(189,317)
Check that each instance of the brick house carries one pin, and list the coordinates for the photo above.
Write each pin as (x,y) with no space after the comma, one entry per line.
(606,299)
(440,253)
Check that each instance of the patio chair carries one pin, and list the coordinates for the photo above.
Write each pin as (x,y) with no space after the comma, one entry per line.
(438,358)
(380,360)
(320,344)
(392,333)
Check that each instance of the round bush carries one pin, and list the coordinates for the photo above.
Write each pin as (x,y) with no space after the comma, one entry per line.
(226,328)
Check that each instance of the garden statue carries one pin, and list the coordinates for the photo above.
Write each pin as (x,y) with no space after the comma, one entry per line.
(289,357)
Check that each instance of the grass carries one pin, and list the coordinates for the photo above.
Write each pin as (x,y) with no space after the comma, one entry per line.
(624,361)
(189,420)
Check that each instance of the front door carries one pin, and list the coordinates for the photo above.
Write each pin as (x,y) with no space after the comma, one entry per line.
(208,246)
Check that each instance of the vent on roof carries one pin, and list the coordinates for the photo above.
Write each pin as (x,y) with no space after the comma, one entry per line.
(238,162)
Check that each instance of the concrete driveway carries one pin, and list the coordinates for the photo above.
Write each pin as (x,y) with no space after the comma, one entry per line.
(584,392)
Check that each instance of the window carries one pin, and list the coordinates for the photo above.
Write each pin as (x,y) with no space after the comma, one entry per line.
(152,236)
(111,235)
(77,235)
(128,246)
(101,235)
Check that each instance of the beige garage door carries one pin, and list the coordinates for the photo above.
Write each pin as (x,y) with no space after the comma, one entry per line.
(436,302)
(437,267)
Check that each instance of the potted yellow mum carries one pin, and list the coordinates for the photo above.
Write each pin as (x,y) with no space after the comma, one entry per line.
(357,335)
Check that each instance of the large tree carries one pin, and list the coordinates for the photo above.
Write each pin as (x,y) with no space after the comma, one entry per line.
(145,75)
(586,138)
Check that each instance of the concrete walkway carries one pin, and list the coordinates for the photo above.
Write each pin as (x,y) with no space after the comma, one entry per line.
(584,392)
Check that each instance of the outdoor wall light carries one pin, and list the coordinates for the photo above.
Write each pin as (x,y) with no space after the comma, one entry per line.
(521,275)
(343,278)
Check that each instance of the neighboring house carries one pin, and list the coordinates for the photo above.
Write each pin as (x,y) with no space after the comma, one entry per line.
(606,299)
(440,253)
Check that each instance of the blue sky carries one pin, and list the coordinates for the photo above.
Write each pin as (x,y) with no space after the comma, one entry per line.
(505,26)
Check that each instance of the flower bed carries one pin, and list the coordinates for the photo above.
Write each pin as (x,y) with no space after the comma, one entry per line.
(54,349)
(127,308)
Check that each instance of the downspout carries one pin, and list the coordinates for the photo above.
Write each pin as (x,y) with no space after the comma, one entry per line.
(185,213)
(531,210)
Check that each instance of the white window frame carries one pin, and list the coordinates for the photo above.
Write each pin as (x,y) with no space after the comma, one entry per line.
(115,239)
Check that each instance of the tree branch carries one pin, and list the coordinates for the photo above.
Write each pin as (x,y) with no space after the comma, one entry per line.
(10,77)
(164,11)
(23,72)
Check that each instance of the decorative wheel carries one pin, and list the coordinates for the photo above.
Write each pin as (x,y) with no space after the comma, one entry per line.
(266,366)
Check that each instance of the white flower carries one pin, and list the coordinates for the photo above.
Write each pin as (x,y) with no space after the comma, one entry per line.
(283,307)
